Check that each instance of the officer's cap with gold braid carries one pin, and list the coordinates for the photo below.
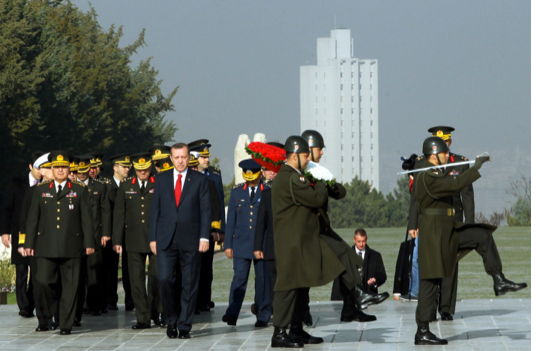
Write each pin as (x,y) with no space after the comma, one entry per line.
(441,131)
(164,164)
(84,163)
(95,159)
(73,167)
(160,152)
(141,160)
(60,158)
(200,146)
(121,159)
(194,159)
(251,170)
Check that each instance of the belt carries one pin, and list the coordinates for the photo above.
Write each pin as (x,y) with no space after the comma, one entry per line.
(437,211)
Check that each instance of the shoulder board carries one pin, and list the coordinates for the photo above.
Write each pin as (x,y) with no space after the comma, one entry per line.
(100,180)
(265,186)
(214,170)
(79,183)
(434,172)
(126,179)
(45,182)
(420,158)
(239,185)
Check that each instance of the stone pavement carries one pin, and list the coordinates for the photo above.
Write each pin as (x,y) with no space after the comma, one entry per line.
(501,324)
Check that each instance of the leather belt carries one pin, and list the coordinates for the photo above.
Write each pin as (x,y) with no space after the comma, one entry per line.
(437,211)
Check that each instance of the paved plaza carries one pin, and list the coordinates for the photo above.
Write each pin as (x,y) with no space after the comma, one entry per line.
(501,324)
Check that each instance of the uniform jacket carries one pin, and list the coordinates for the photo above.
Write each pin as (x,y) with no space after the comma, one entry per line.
(10,215)
(264,229)
(132,215)
(438,241)
(100,205)
(215,207)
(302,258)
(192,217)
(60,226)
(214,175)
(242,220)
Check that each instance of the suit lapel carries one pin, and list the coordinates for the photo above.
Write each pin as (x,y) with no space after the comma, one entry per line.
(63,191)
(186,187)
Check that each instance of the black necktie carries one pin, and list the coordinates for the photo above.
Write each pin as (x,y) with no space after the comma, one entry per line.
(142,187)
(360,254)
(59,191)
(252,195)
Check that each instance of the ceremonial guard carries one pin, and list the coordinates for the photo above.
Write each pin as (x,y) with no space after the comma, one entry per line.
(59,230)
(442,238)
(241,221)
(132,213)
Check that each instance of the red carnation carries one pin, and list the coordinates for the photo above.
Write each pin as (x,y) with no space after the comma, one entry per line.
(268,156)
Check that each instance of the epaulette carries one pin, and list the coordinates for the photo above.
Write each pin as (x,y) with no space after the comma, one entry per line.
(82,184)
(105,180)
(214,170)
(267,185)
(420,158)
(239,185)
(45,182)
(101,180)
(127,179)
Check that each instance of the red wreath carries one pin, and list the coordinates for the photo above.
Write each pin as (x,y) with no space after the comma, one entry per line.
(268,156)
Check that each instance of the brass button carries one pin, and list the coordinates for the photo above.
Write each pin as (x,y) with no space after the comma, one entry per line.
(250,227)
(143,220)
(58,218)
(58,226)
(251,213)
(38,233)
(142,197)
(58,210)
(142,213)
(251,220)
(58,202)
(249,206)
(142,205)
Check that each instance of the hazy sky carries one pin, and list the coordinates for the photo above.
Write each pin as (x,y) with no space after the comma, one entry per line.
(464,64)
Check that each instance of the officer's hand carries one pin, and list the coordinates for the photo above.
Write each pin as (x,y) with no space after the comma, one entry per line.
(22,251)
(258,255)
(203,246)
(215,236)
(229,253)
(480,160)
(6,240)
(118,249)
(413,233)
(29,252)
(90,251)
(152,244)
(371,281)
(104,240)
(222,239)
(333,191)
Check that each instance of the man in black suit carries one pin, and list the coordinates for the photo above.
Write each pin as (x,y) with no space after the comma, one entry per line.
(179,231)
(373,270)
(10,228)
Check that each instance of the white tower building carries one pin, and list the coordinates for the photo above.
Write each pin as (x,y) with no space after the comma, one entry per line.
(339,98)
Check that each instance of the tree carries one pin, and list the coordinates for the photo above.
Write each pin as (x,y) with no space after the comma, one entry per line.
(519,214)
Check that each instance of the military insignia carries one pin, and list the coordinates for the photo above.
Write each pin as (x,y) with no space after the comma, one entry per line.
(302,179)
(434,147)
(157,152)
(439,133)
(47,195)
(142,160)
(71,194)
(454,173)
(45,182)
(151,191)
(71,207)
(59,158)
(95,193)
(310,141)
(131,192)
(296,147)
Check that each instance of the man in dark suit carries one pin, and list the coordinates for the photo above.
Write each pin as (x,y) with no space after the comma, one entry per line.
(373,270)
(132,212)
(10,228)
(60,228)
(179,231)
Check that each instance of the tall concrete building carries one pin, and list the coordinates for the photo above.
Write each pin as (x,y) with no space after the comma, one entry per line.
(339,98)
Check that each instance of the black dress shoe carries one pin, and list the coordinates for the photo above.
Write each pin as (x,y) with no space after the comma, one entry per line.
(42,328)
(77,324)
(104,310)
(140,325)
(298,334)
(254,309)
(158,321)
(501,285)
(26,314)
(260,324)
(425,337)
(282,339)
(53,325)
(129,306)
(356,316)
(445,316)
(211,304)
(184,335)
(113,307)
(95,313)
(364,299)
(230,320)
(204,308)
(308,319)
(65,332)
(172,331)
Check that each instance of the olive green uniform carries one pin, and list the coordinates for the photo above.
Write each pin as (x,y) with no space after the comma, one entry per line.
(59,228)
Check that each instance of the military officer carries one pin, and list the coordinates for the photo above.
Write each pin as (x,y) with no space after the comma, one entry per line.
(59,230)
(132,213)
(159,153)
(73,169)
(242,218)
(441,237)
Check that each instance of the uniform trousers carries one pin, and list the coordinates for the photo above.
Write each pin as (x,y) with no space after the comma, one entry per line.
(290,306)
(205,283)
(145,298)
(189,263)
(110,262)
(241,267)
(272,271)
(448,291)
(126,278)
(471,238)
(23,289)
(67,270)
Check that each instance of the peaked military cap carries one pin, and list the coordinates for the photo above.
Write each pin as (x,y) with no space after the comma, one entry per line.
(73,167)
(121,159)
(201,146)
(95,159)
(84,163)
(443,132)
(194,159)
(251,170)
(164,164)
(141,160)
(59,158)
(159,152)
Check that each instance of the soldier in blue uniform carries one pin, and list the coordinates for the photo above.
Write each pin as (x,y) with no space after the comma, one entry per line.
(242,218)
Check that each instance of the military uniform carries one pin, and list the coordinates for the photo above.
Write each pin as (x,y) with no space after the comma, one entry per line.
(59,229)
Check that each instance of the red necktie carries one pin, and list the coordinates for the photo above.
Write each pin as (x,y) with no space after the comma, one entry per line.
(178,190)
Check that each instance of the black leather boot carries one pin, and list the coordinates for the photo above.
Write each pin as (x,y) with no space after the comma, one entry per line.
(282,339)
(425,337)
(501,285)
(350,313)
(363,299)
(298,334)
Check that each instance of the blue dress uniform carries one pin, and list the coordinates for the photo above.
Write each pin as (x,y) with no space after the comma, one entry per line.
(240,237)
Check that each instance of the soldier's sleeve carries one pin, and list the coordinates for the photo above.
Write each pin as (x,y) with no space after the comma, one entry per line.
(440,186)
(381,276)
(119,217)
(106,213)
(337,191)
(261,225)
(468,202)
(32,222)
(304,194)
(413,216)
(231,220)
(86,216)
(215,206)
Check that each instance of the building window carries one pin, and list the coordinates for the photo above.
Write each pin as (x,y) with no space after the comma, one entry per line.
(352,158)
(342,159)
(341,86)
(342,111)
(352,146)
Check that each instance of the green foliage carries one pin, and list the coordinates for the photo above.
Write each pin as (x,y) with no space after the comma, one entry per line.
(227,191)
(7,274)
(519,214)
(66,84)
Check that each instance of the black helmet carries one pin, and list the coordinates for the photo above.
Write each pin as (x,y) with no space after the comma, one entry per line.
(296,144)
(434,145)
(313,138)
